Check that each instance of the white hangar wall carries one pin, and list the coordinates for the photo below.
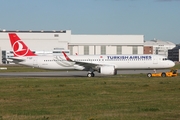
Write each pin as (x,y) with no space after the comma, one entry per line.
(77,44)
(107,39)
(106,44)
(38,41)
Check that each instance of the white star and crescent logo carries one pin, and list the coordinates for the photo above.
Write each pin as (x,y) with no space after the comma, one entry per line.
(18,48)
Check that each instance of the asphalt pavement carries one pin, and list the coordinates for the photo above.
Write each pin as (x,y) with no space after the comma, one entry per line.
(71,73)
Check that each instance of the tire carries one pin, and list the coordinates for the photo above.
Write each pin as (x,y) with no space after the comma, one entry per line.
(115,72)
(90,75)
(149,75)
(163,74)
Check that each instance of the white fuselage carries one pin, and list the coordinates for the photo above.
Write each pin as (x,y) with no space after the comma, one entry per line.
(118,61)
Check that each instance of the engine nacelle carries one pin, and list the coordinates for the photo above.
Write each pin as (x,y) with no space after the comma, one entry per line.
(77,67)
(107,70)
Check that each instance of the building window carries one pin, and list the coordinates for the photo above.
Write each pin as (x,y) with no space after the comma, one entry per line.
(135,50)
(56,35)
(86,50)
(103,50)
(119,50)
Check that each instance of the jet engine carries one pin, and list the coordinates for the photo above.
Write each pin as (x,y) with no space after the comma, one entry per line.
(77,67)
(107,70)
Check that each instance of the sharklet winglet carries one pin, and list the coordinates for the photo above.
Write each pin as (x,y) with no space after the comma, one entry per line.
(67,58)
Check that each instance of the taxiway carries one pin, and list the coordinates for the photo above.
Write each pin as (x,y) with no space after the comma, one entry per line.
(70,73)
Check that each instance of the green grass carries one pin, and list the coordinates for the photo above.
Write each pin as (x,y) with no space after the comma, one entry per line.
(123,97)
(177,66)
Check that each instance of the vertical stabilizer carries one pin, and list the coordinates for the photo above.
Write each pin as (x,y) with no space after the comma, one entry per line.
(19,47)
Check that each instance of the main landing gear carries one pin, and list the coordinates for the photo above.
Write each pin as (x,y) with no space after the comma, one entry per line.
(90,74)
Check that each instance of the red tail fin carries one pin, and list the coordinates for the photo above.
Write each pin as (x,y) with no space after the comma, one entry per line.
(19,47)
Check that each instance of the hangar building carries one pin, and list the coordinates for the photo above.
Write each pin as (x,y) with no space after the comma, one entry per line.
(53,42)
(174,54)
(158,47)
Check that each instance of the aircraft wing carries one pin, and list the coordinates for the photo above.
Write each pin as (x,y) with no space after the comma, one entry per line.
(86,65)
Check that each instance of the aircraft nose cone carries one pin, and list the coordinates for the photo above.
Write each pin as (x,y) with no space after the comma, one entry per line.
(172,64)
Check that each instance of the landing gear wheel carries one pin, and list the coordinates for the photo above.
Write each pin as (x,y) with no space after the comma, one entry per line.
(163,74)
(93,74)
(149,75)
(90,75)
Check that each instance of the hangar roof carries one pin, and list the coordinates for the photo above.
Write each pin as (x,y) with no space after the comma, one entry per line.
(177,47)
(33,31)
(158,42)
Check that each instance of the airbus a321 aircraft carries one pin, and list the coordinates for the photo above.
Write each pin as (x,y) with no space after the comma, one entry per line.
(104,64)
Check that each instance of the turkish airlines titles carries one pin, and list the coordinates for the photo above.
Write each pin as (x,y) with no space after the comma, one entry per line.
(130,57)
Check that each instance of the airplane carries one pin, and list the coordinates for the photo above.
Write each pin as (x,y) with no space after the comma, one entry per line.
(104,64)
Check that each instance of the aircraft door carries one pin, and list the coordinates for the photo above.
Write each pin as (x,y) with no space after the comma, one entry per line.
(155,59)
(35,62)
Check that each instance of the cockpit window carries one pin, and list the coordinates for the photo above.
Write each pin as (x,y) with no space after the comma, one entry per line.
(165,59)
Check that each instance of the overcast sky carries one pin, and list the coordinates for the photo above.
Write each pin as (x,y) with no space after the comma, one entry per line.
(159,19)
